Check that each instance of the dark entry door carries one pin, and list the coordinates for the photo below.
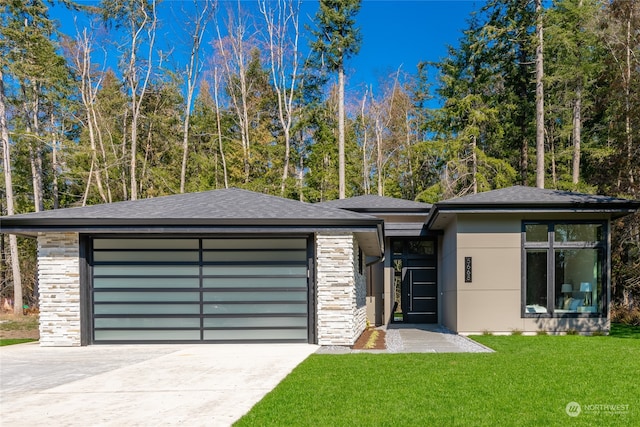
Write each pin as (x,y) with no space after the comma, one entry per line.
(421,290)
(419,279)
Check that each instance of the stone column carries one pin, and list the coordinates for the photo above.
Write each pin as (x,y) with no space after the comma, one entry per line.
(341,290)
(59,284)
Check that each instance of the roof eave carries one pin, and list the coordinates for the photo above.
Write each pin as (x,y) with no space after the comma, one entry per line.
(615,212)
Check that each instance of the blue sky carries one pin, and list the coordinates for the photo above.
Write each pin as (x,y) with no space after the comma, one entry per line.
(394,33)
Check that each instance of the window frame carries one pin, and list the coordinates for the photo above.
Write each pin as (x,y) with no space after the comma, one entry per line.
(550,246)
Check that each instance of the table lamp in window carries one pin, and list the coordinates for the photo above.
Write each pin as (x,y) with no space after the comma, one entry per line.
(585,287)
(567,290)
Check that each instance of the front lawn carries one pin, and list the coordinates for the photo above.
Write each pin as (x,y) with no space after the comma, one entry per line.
(529,381)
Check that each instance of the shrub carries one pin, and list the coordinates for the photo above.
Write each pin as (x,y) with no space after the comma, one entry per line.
(572,332)
(627,315)
(516,332)
(542,332)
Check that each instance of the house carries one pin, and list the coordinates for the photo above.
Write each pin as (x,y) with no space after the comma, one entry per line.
(233,265)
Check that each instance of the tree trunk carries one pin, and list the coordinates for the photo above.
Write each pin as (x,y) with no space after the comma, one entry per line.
(474,165)
(539,98)
(627,80)
(219,124)
(365,169)
(577,136)
(8,181)
(341,136)
(193,70)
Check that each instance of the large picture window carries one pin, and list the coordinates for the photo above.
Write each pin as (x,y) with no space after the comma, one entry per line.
(564,268)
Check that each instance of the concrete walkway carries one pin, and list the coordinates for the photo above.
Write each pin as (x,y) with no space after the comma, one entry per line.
(140,385)
(418,338)
(428,338)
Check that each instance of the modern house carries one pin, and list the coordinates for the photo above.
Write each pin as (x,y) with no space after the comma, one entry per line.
(234,265)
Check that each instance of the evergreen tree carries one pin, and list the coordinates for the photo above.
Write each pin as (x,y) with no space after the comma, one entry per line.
(337,39)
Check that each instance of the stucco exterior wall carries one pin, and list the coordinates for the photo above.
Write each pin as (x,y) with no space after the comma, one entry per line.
(447,275)
(59,285)
(493,300)
(341,290)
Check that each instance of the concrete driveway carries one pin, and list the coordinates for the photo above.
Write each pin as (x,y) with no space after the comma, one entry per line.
(140,385)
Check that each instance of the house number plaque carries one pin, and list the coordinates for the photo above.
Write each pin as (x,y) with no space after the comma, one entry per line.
(467,269)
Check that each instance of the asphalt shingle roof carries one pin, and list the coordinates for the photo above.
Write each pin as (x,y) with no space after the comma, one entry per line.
(374,203)
(530,196)
(226,206)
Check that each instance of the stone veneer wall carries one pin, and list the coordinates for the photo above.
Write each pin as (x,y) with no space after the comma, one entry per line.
(59,285)
(341,302)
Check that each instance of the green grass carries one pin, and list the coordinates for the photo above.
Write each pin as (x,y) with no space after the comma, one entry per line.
(528,382)
(11,341)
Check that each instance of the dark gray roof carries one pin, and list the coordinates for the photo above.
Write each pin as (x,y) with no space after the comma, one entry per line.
(533,199)
(532,196)
(217,207)
(372,203)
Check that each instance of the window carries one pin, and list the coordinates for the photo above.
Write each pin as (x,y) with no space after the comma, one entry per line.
(564,271)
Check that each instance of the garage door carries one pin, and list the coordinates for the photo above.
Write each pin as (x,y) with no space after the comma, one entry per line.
(210,290)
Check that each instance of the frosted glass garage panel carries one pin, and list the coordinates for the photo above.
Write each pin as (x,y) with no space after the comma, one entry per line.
(146,309)
(226,308)
(254,282)
(145,296)
(145,282)
(256,334)
(251,270)
(146,270)
(256,322)
(146,244)
(254,256)
(141,322)
(249,244)
(146,256)
(255,296)
(137,335)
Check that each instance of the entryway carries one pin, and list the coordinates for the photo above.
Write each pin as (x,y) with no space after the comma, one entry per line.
(415,280)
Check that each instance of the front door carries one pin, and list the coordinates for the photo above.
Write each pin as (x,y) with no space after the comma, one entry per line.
(421,288)
(418,280)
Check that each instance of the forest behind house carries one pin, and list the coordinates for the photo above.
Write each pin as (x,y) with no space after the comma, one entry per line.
(538,93)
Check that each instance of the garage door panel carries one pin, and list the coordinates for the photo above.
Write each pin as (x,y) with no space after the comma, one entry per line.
(249,270)
(293,295)
(129,309)
(254,282)
(147,335)
(160,270)
(248,308)
(255,334)
(147,322)
(254,256)
(141,244)
(152,296)
(149,290)
(145,282)
(147,256)
(249,244)
(256,322)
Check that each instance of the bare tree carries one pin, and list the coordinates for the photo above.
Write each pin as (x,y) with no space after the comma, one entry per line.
(283,33)
(203,13)
(233,53)
(140,16)
(8,181)
(539,97)
(88,92)
(216,82)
